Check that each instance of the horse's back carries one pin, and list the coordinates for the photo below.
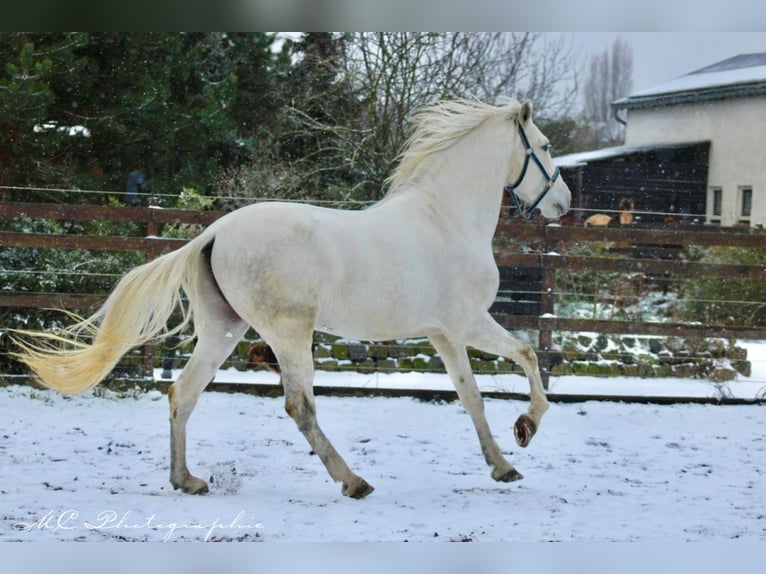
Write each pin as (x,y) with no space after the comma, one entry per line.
(354,272)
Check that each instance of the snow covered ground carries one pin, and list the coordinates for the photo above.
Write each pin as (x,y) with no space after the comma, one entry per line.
(95,468)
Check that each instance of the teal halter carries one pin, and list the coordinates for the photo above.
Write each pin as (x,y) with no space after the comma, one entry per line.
(549,179)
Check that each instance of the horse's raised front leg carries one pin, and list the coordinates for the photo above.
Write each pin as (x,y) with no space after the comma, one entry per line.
(297,365)
(216,340)
(490,337)
(459,369)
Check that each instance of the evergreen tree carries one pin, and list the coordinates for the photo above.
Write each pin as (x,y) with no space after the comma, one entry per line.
(34,147)
(85,110)
(323,115)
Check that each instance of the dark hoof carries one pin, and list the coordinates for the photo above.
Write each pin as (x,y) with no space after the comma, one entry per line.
(509,476)
(357,488)
(193,485)
(524,429)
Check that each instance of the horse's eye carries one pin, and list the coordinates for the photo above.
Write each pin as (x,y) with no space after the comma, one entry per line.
(547,148)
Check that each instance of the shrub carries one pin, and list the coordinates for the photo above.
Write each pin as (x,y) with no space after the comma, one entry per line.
(726,300)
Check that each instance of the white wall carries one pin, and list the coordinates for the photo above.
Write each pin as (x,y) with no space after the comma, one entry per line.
(737,130)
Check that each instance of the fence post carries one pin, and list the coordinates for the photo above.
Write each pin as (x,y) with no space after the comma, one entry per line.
(545,335)
(151,251)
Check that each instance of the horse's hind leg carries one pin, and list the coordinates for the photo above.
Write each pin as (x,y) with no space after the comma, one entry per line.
(293,351)
(210,352)
(459,369)
(219,330)
(491,337)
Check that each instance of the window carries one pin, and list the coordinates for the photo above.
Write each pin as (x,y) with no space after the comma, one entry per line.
(715,202)
(745,203)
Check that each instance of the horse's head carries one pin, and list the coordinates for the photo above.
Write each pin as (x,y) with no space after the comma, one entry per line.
(534,182)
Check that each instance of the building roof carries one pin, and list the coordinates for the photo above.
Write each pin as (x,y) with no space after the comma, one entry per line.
(584,158)
(740,76)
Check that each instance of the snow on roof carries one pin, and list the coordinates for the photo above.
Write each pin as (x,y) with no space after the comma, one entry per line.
(723,77)
(583,158)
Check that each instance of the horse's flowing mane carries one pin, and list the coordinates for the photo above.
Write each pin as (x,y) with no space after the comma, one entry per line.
(436,127)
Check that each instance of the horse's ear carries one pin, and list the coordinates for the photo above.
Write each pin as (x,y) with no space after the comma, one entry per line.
(525,112)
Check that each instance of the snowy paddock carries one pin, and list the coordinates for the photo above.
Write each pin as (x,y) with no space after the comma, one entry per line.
(95,468)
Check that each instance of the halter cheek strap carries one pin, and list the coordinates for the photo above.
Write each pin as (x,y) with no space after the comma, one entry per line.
(549,179)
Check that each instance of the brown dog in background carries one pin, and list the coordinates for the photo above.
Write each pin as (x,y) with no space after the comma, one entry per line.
(261,355)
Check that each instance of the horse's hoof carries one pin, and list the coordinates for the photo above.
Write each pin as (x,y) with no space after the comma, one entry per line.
(193,485)
(357,488)
(524,429)
(511,475)
(203,489)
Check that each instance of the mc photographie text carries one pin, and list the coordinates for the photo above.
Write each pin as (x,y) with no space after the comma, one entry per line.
(124,522)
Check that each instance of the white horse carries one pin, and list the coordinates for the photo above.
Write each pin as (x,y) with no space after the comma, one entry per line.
(418,263)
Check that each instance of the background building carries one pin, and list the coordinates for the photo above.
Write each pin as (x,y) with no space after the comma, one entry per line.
(695,150)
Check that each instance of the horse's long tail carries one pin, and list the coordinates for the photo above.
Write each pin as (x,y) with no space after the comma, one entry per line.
(136,312)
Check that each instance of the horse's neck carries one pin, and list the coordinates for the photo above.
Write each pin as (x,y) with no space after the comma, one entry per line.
(464,183)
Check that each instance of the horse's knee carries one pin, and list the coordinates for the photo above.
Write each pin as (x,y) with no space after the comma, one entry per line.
(524,353)
(300,409)
(291,408)
(529,354)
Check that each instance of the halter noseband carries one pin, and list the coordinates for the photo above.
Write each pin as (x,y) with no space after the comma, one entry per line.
(549,179)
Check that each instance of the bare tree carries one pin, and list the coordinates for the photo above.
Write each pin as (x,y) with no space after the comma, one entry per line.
(350,130)
(393,73)
(609,77)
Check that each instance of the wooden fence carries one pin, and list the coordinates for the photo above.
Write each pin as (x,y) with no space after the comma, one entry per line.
(553,241)
(548,250)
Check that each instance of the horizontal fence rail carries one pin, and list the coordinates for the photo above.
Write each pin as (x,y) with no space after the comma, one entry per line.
(551,240)
(545,250)
(80,212)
